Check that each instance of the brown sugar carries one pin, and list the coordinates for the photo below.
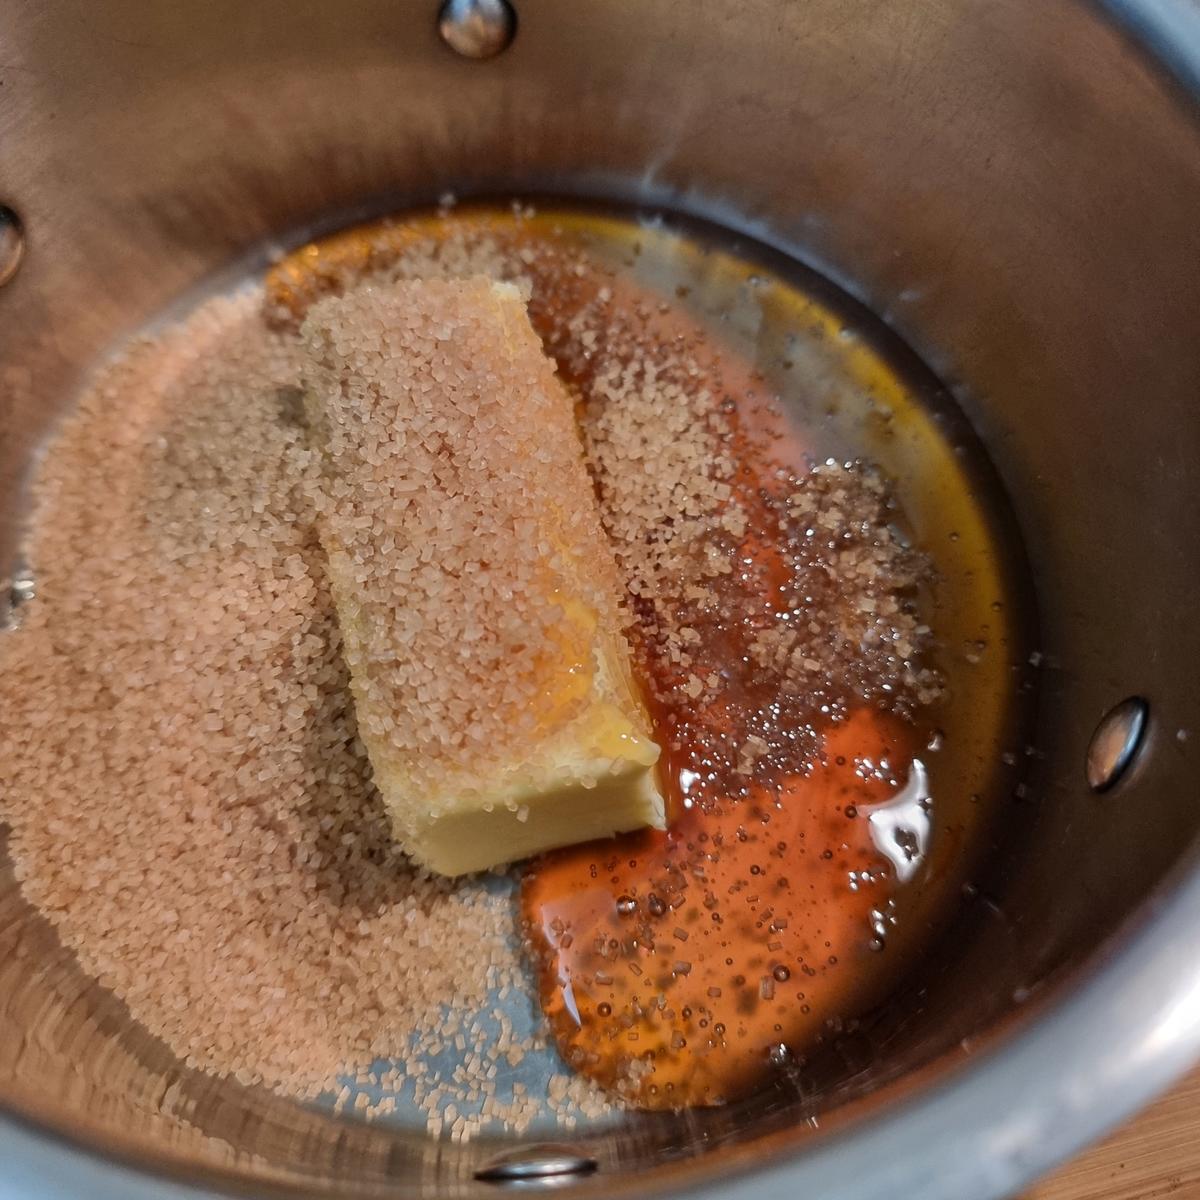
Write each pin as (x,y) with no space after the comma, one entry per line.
(179,758)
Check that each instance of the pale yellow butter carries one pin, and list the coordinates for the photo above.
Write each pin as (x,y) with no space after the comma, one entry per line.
(419,393)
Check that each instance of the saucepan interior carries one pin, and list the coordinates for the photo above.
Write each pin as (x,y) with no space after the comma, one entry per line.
(1012,188)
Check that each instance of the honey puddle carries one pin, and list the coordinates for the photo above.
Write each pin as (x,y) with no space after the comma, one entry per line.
(704,954)
(792,890)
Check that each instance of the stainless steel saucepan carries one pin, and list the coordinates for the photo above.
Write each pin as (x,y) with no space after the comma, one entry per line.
(1013,185)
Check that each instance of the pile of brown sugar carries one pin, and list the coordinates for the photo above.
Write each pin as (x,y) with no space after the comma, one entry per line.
(190,803)
(735,564)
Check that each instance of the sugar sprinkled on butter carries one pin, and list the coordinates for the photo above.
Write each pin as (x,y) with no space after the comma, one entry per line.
(476,590)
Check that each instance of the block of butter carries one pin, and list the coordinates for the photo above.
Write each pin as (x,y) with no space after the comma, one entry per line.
(474,587)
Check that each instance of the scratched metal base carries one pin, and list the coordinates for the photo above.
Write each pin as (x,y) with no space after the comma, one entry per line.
(532,1074)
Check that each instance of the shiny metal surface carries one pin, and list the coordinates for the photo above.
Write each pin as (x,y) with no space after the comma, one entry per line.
(1013,186)
(1115,743)
(1169,29)
(477,28)
(533,1163)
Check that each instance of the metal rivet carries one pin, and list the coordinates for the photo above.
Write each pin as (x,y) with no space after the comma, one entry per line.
(1115,743)
(477,28)
(12,243)
(536,1164)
